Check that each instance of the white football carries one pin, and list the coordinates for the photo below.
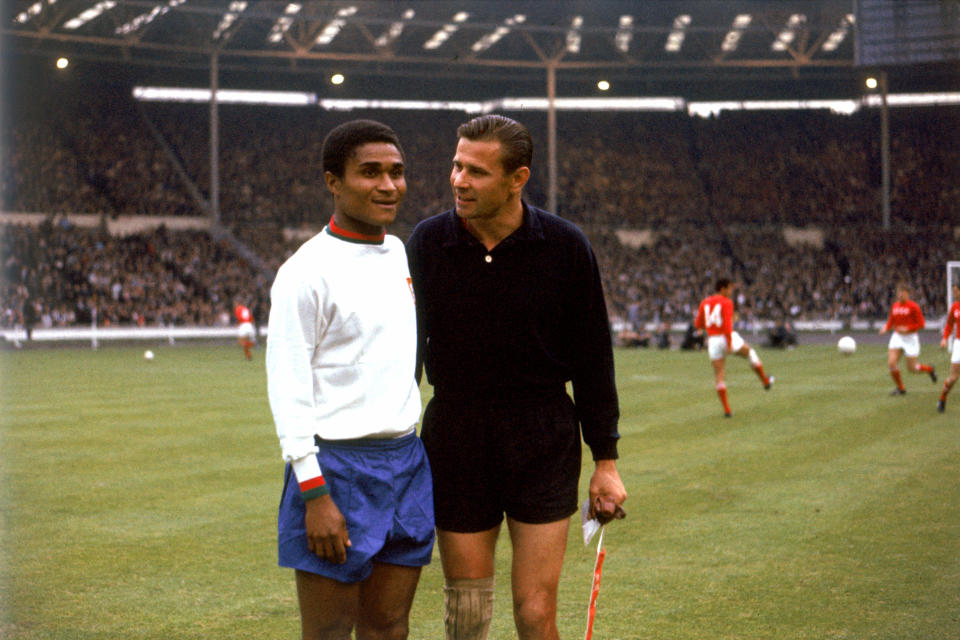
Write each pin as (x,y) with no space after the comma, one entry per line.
(847,345)
(148,355)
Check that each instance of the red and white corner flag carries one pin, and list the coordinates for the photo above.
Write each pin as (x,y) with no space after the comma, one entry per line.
(592,523)
(595,589)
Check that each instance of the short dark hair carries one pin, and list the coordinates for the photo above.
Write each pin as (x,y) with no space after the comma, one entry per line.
(516,145)
(341,142)
(722,283)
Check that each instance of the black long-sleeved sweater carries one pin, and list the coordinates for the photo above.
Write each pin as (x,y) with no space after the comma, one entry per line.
(528,315)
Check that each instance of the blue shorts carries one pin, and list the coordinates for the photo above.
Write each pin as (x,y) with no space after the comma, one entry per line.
(384,489)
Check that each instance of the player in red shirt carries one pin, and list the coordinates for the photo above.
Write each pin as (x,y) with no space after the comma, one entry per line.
(715,315)
(246,334)
(905,320)
(951,326)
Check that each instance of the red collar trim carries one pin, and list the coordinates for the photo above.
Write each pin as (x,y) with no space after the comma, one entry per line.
(353,236)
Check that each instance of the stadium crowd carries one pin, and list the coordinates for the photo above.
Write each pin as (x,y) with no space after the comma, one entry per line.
(73,276)
(714,194)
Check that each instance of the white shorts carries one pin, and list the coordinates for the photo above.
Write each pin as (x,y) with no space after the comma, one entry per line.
(909,343)
(717,345)
(955,351)
(246,330)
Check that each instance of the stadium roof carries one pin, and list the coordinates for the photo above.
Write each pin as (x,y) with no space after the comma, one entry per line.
(480,48)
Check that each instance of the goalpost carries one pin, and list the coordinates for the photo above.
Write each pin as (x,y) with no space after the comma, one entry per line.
(953,276)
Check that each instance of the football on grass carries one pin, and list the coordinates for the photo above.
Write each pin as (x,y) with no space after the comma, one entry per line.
(846,345)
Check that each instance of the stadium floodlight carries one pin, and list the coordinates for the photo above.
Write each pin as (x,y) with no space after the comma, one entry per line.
(624,34)
(708,109)
(33,11)
(493,37)
(837,106)
(511,104)
(415,105)
(334,26)
(236,8)
(667,104)
(679,32)
(573,35)
(146,18)
(839,34)
(283,23)
(843,107)
(732,40)
(786,37)
(224,96)
(913,99)
(395,29)
(91,13)
(444,33)
(587,104)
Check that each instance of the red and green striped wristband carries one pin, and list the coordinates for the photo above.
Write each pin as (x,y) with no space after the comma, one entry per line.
(314,488)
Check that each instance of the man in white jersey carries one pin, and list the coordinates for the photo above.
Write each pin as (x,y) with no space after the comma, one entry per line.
(356,515)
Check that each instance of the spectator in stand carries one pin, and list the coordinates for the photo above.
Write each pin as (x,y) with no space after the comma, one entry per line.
(781,335)
(663,336)
(693,339)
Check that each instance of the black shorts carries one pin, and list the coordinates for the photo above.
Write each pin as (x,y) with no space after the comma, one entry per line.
(489,458)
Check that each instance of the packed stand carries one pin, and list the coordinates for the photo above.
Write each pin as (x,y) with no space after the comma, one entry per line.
(57,275)
(715,195)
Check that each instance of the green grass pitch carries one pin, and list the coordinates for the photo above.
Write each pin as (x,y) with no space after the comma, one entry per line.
(138,500)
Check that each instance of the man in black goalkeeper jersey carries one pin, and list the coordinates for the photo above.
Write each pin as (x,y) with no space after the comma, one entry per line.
(510,308)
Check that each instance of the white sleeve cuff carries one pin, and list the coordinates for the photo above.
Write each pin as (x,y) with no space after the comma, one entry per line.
(306,468)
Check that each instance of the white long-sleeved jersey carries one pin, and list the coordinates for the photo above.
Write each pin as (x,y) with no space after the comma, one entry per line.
(341,345)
